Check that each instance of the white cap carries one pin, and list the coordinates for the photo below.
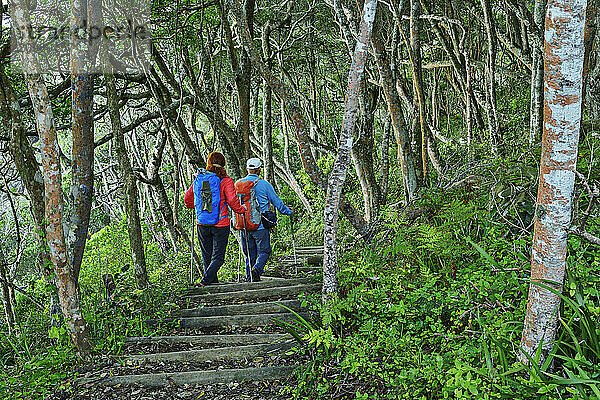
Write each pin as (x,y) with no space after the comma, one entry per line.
(253,163)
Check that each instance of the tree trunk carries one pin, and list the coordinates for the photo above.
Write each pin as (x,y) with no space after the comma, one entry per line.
(592,92)
(162,96)
(152,221)
(344,27)
(294,114)
(7,302)
(419,134)
(158,188)
(234,142)
(267,129)
(536,107)
(132,198)
(362,155)
(385,160)
(176,182)
(82,94)
(286,172)
(563,57)
(340,166)
(27,167)
(31,176)
(291,181)
(490,93)
(591,28)
(468,108)
(244,85)
(408,163)
(165,210)
(68,291)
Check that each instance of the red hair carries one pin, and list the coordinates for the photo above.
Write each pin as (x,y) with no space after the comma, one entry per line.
(216,163)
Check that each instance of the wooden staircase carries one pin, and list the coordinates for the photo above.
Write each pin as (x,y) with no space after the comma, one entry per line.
(225,332)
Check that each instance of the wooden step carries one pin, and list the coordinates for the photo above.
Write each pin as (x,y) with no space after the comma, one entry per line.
(212,355)
(237,287)
(270,307)
(312,272)
(312,260)
(212,340)
(242,321)
(279,291)
(307,254)
(194,377)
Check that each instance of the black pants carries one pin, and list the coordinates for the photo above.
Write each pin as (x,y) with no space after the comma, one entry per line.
(213,242)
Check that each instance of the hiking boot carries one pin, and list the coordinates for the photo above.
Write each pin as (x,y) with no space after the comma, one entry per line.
(255,275)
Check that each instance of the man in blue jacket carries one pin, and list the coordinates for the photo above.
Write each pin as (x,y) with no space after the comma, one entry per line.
(257,244)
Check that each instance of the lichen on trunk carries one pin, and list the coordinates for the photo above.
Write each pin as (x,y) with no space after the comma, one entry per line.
(563,58)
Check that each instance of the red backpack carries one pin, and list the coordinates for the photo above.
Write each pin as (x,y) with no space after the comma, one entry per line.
(251,219)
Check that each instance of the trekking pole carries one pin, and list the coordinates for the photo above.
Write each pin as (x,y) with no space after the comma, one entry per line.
(192,254)
(240,256)
(248,251)
(294,242)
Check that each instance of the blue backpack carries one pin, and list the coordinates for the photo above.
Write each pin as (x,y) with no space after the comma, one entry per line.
(207,197)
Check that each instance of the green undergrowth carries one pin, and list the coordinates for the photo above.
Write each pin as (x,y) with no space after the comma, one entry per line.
(435,311)
(37,359)
(38,374)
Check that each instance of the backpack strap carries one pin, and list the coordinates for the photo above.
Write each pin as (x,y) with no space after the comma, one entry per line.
(221,211)
(224,203)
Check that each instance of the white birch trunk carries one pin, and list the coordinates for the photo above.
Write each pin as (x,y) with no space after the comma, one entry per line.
(563,57)
(340,167)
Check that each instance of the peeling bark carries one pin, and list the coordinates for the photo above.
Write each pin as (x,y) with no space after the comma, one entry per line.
(68,291)
(563,58)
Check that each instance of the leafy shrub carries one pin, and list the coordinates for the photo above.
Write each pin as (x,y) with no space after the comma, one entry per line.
(435,311)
